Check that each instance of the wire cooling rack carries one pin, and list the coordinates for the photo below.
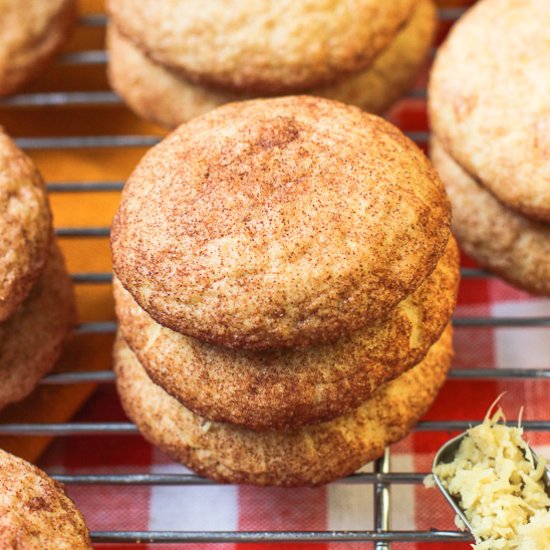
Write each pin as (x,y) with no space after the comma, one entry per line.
(382,478)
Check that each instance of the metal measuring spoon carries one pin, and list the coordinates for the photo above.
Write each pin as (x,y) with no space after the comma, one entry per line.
(447,454)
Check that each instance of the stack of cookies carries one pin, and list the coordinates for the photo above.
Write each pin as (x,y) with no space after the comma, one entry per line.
(285,280)
(172,61)
(33,31)
(490,111)
(36,301)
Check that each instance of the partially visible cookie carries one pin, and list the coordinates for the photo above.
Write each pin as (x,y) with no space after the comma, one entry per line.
(167,98)
(25,226)
(261,46)
(33,31)
(279,223)
(500,239)
(32,338)
(35,512)
(307,456)
(490,100)
(272,390)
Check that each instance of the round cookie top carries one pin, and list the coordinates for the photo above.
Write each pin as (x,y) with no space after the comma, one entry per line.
(35,512)
(32,31)
(279,223)
(490,100)
(25,226)
(262,46)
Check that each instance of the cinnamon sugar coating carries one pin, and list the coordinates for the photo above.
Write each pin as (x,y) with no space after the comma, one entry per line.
(279,223)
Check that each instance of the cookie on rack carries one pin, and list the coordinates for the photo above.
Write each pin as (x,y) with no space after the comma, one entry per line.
(497,237)
(35,512)
(306,456)
(25,226)
(32,338)
(490,102)
(278,389)
(162,95)
(33,31)
(279,223)
(264,47)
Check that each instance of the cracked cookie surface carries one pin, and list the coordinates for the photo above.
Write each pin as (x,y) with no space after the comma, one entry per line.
(279,223)
(489,100)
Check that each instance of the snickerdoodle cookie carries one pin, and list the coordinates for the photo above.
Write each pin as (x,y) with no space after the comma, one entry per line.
(500,239)
(164,96)
(311,455)
(289,388)
(32,32)
(279,223)
(490,100)
(35,512)
(31,339)
(262,46)
(25,226)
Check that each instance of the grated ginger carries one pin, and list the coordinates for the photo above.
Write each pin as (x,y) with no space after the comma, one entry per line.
(499,487)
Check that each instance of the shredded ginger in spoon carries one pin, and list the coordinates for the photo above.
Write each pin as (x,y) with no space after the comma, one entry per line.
(498,486)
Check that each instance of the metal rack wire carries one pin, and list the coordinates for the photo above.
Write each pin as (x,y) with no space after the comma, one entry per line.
(381,479)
